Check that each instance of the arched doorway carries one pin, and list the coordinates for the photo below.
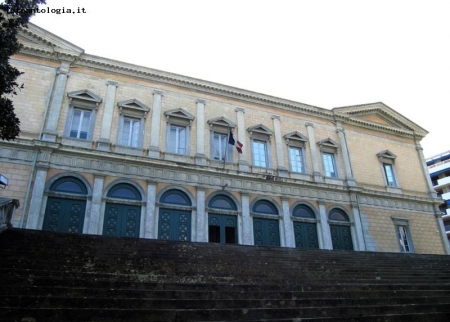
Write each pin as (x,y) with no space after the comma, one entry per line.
(175,216)
(305,227)
(341,235)
(122,211)
(222,220)
(66,206)
(266,230)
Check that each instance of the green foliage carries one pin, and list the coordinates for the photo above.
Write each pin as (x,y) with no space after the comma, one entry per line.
(13,15)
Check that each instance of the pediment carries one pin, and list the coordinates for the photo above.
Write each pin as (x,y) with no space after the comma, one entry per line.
(379,115)
(221,121)
(133,106)
(85,95)
(328,143)
(260,129)
(179,113)
(35,38)
(386,154)
(297,136)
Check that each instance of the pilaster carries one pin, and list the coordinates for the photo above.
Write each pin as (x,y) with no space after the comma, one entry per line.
(282,170)
(288,227)
(36,198)
(326,233)
(50,132)
(346,157)
(200,157)
(154,150)
(242,163)
(94,219)
(317,175)
(202,216)
(104,142)
(150,222)
(431,192)
(247,224)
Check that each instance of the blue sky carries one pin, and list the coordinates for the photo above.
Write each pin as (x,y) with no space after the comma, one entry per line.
(327,53)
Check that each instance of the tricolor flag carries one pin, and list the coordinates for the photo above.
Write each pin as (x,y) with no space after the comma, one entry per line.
(232,141)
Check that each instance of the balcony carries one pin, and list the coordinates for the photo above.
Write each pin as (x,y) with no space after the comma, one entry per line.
(442,183)
(446,196)
(439,166)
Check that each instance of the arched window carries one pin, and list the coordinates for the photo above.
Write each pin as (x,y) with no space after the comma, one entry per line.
(175,221)
(69,185)
(338,215)
(122,219)
(66,206)
(124,191)
(176,197)
(222,223)
(265,207)
(341,235)
(302,211)
(222,202)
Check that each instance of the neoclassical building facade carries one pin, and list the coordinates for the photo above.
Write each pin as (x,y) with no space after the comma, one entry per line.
(116,149)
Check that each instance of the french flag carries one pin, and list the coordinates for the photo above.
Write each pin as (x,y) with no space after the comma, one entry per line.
(235,143)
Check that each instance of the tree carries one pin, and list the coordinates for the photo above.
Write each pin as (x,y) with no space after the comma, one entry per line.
(13,15)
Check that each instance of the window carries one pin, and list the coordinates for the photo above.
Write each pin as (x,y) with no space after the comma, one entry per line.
(389,173)
(81,115)
(260,142)
(130,132)
(259,153)
(403,235)
(218,146)
(131,123)
(387,161)
(79,128)
(296,159)
(329,149)
(178,127)
(329,165)
(177,139)
(222,221)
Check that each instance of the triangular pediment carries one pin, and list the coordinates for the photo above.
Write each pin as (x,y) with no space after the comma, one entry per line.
(36,38)
(179,113)
(328,143)
(133,104)
(261,129)
(85,95)
(386,154)
(297,136)
(221,121)
(378,115)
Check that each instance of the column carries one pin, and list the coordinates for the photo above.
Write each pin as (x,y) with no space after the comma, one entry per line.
(326,233)
(288,226)
(202,218)
(150,221)
(200,157)
(153,150)
(312,147)
(282,170)
(247,224)
(346,157)
(104,142)
(34,213)
(242,163)
(50,132)
(426,174)
(94,218)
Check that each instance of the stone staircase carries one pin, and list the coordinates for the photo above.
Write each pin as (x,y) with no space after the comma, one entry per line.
(46,276)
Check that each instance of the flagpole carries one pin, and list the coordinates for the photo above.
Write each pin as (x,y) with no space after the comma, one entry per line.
(226,147)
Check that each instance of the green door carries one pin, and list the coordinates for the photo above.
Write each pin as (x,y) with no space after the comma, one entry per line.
(122,220)
(222,229)
(305,235)
(64,215)
(341,237)
(174,224)
(266,232)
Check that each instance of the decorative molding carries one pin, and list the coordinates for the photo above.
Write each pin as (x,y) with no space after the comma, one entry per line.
(260,129)
(221,121)
(133,107)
